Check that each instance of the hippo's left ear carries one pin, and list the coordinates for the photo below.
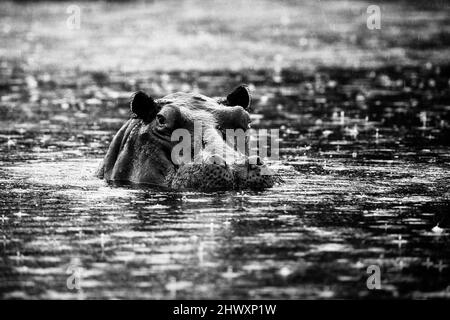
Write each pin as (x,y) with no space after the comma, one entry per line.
(143,106)
(239,97)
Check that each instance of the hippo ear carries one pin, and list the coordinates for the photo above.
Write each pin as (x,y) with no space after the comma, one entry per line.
(143,106)
(240,97)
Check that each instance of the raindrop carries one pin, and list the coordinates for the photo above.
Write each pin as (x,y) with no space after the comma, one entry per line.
(200,252)
(428,263)
(441,266)
(102,240)
(400,241)
(19,214)
(437,229)
(400,264)
(230,274)
(423,119)
(10,143)
(173,286)
(285,272)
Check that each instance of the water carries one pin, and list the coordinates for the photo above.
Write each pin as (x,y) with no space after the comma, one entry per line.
(365,183)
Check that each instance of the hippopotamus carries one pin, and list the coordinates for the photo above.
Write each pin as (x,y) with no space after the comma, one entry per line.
(142,151)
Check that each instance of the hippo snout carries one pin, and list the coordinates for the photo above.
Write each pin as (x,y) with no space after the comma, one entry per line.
(209,175)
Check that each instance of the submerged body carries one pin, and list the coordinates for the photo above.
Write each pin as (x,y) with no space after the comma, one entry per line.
(142,151)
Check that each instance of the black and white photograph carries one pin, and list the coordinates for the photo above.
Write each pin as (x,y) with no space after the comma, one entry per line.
(245,152)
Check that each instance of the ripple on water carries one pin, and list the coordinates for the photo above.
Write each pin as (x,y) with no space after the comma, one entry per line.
(361,193)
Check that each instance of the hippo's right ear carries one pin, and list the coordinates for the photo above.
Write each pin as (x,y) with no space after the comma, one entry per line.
(143,106)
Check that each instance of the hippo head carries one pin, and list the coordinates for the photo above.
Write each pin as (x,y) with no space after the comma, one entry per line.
(179,141)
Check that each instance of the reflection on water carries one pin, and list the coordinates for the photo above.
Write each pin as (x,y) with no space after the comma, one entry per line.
(365,160)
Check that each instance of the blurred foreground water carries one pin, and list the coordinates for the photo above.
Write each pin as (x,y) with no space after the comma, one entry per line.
(365,158)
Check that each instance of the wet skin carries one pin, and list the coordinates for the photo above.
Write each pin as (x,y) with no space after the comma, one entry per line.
(141,151)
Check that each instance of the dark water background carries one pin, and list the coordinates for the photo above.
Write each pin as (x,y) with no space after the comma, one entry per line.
(364,154)
(366,180)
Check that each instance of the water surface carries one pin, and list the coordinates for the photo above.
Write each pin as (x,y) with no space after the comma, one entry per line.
(365,161)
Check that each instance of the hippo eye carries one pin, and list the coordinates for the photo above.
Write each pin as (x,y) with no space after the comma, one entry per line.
(199,98)
(161,119)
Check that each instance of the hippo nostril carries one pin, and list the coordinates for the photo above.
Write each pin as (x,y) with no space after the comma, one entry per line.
(259,162)
(254,161)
